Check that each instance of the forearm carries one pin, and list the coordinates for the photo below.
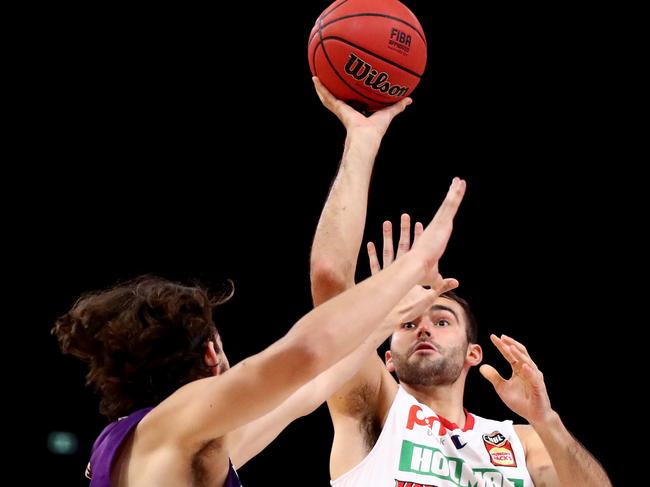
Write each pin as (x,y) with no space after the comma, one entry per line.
(316,392)
(340,229)
(253,437)
(318,341)
(334,379)
(574,465)
(340,325)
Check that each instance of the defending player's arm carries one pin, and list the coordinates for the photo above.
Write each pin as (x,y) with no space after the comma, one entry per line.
(209,408)
(249,440)
(252,438)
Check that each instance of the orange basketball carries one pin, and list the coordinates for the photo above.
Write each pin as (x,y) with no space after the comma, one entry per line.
(369,53)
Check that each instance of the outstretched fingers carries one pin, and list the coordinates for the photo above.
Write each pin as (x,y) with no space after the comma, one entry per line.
(505,350)
(521,348)
(431,243)
(388,251)
(373,259)
(529,374)
(522,358)
(514,354)
(388,255)
(437,233)
(450,205)
(419,228)
(404,244)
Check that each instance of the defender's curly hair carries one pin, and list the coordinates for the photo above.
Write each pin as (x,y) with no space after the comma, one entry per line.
(142,339)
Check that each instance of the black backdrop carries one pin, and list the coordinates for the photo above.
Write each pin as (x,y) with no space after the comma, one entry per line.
(191,144)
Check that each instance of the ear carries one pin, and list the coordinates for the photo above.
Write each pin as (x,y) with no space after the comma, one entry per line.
(474,354)
(389,362)
(211,357)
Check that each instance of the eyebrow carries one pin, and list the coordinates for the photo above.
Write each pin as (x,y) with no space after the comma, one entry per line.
(440,307)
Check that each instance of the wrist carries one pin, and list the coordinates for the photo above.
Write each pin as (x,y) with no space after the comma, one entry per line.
(365,136)
(417,263)
(550,420)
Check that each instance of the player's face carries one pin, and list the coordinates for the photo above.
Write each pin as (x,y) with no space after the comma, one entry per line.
(431,350)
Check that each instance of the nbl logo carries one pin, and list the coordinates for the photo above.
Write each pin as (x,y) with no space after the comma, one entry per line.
(495,438)
(377,80)
(500,450)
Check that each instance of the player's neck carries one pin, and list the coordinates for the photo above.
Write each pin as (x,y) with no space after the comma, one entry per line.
(446,401)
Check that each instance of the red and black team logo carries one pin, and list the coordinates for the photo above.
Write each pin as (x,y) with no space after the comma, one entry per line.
(500,450)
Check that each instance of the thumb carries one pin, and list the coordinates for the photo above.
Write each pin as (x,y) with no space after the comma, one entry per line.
(445,285)
(401,106)
(491,374)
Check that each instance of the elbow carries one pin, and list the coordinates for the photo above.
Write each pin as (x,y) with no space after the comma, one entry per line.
(311,358)
(328,280)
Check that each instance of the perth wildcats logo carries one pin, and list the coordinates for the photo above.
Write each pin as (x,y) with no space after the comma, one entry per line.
(360,70)
(420,420)
(500,450)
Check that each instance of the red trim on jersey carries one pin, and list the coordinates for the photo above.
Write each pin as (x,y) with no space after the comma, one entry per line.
(469,422)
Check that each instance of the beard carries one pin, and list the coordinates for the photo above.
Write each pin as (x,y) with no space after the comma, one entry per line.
(443,369)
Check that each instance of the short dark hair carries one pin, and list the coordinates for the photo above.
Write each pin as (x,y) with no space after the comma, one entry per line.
(471,328)
(142,339)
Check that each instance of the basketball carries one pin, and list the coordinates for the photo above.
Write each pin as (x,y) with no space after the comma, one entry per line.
(368,53)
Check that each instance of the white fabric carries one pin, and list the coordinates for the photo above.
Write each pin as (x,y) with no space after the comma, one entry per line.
(415,450)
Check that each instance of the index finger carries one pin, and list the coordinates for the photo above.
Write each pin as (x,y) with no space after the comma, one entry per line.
(419,228)
(505,350)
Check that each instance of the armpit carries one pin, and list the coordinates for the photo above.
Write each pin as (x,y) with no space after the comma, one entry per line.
(360,405)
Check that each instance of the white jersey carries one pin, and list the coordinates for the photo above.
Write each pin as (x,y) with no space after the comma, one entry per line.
(417,448)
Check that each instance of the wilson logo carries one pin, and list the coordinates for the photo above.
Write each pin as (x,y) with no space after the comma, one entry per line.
(360,70)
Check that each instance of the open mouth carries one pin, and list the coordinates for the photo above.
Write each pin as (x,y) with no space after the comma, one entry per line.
(425,347)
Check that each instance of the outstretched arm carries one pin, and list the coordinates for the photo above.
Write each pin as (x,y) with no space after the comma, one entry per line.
(340,229)
(250,439)
(210,408)
(553,456)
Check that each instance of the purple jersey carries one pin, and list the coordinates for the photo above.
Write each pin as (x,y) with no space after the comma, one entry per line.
(232,480)
(109,441)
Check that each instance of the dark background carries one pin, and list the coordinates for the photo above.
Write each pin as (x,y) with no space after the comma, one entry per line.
(191,144)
